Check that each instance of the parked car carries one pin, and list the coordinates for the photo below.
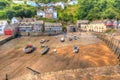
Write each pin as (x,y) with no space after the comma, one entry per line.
(62,39)
(76,49)
(45,50)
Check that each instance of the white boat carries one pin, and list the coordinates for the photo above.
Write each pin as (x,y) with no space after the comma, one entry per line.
(76,49)
(45,50)
(62,39)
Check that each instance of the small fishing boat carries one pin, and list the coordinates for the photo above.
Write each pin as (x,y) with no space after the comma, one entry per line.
(62,39)
(42,41)
(76,49)
(45,50)
(70,38)
(29,48)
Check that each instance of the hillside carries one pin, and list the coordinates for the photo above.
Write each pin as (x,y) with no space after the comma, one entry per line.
(48,1)
(102,9)
(90,10)
(68,15)
(9,10)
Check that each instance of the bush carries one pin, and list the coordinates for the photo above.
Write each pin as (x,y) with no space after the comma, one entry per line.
(3,15)
(47,20)
(110,31)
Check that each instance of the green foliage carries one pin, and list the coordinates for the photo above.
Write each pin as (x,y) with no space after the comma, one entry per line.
(68,14)
(10,14)
(48,20)
(48,1)
(17,7)
(86,9)
(102,9)
(64,28)
(3,4)
(2,15)
(110,31)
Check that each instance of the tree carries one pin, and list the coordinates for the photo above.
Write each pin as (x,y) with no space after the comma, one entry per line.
(10,14)
(16,7)
(20,13)
(28,13)
(94,9)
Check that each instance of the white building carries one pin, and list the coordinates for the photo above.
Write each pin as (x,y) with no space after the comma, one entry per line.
(42,4)
(61,4)
(40,13)
(82,24)
(3,24)
(50,12)
(15,20)
(72,2)
(55,14)
(97,26)
(18,1)
(38,26)
(32,3)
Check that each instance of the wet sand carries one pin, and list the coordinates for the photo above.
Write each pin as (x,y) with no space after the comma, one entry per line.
(93,53)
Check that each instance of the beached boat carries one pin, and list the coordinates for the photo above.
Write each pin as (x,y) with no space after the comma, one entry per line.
(29,48)
(42,41)
(76,49)
(45,50)
(62,39)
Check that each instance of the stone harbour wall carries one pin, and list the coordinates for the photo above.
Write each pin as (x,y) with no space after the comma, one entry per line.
(6,40)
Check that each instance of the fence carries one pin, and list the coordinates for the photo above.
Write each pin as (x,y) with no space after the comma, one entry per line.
(112,43)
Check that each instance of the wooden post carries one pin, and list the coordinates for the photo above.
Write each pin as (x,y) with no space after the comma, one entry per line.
(117,45)
(112,43)
(34,71)
(6,77)
(117,49)
(109,43)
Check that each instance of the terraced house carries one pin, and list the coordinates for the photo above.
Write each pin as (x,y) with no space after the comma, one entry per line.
(53,27)
(82,24)
(109,24)
(28,25)
(38,26)
(97,26)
